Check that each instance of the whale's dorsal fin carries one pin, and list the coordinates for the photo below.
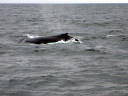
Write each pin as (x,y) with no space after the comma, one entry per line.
(66,33)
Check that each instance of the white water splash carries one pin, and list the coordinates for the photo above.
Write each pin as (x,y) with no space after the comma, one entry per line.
(32,36)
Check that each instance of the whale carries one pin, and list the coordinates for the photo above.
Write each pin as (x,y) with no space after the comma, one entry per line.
(49,39)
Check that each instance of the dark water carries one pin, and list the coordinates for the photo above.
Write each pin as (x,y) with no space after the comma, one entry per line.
(96,67)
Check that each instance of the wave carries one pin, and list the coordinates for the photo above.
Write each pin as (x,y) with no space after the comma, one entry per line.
(111,35)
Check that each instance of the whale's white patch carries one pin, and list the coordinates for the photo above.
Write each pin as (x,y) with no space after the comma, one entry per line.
(69,41)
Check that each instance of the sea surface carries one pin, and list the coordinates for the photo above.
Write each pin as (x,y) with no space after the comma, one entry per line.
(96,67)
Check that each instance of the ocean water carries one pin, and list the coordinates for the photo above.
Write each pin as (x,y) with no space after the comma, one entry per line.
(96,67)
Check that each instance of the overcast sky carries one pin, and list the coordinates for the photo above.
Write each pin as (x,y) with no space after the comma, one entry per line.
(63,1)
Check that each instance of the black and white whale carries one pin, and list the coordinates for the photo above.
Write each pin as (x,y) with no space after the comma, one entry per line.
(49,39)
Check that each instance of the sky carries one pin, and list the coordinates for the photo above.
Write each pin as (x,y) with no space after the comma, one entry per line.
(63,1)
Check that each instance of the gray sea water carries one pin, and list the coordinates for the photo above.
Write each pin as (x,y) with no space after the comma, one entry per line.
(96,67)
